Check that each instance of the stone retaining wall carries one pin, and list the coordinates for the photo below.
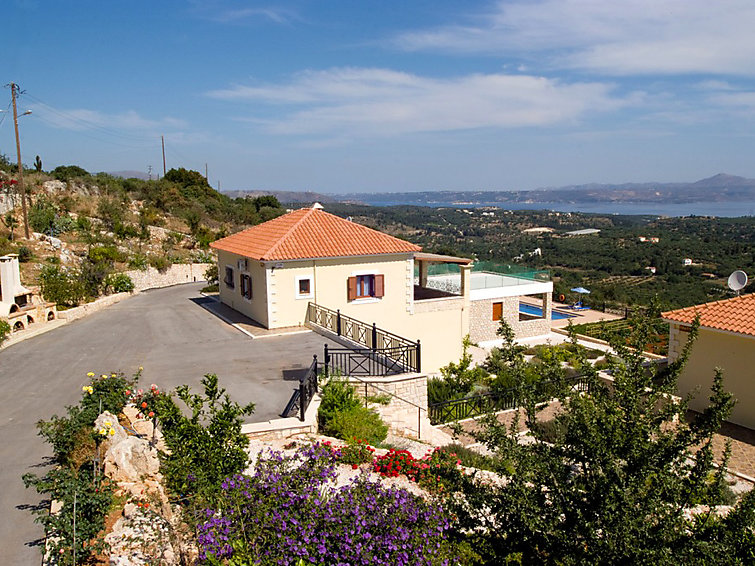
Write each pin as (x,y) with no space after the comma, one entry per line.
(91,308)
(278,429)
(176,274)
(406,412)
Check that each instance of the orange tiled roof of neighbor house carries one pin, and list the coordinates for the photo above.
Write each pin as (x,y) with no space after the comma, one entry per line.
(733,315)
(310,233)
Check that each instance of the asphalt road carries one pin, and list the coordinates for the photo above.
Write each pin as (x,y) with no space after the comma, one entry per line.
(166,332)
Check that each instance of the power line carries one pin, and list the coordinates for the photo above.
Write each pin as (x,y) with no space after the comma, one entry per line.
(78,120)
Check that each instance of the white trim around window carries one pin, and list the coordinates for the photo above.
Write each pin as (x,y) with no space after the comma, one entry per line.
(298,287)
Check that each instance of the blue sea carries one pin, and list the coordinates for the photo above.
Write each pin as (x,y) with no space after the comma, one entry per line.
(726,209)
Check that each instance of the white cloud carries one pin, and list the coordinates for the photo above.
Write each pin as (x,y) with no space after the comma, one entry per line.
(276,15)
(363,101)
(83,119)
(621,38)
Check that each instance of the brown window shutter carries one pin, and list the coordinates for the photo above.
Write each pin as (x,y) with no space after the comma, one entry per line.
(352,289)
(248,287)
(379,285)
(497,311)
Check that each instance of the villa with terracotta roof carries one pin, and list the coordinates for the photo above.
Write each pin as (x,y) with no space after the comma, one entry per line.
(726,340)
(274,271)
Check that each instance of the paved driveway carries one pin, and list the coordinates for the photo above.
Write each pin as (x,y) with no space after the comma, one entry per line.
(168,333)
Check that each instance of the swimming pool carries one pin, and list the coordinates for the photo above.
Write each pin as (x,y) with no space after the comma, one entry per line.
(538,311)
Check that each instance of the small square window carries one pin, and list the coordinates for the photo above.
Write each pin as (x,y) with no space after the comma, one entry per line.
(304,286)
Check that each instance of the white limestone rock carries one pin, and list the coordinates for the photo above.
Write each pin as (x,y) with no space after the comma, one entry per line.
(130,460)
(107,422)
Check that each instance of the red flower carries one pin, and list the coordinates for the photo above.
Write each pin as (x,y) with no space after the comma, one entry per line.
(144,405)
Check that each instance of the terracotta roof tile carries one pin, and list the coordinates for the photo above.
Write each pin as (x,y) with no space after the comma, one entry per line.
(310,233)
(734,315)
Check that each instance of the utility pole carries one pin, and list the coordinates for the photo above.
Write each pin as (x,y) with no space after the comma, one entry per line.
(13,89)
(162,138)
(205,172)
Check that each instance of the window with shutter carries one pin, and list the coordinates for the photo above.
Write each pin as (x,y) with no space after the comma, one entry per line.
(365,286)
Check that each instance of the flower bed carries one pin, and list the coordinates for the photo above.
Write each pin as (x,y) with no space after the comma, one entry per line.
(290,511)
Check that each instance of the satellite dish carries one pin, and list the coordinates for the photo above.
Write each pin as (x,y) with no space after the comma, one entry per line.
(737,281)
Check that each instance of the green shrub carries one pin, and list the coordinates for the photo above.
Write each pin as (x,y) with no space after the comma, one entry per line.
(337,396)
(211,274)
(439,390)
(77,481)
(24,254)
(379,399)
(105,253)
(67,172)
(139,262)
(120,283)
(42,216)
(159,262)
(470,458)
(61,286)
(4,331)
(206,446)
(357,422)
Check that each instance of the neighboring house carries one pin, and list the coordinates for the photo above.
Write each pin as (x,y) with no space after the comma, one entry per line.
(19,306)
(272,271)
(726,340)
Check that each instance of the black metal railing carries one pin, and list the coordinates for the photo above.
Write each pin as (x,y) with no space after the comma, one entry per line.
(300,399)
(492,402)
(368,362)
(381,348)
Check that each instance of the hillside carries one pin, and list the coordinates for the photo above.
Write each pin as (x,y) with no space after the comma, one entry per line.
(86,228)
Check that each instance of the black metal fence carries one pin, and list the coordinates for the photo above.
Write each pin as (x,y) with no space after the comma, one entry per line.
(492,402)
(383,351)
(367,362)
(300,399)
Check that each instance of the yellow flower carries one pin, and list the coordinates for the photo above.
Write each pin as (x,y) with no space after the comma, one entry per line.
(112,431)
(88,389)
(141,368)
(104,376)
(112,375)
(103,432)
(108,424)
(90,374)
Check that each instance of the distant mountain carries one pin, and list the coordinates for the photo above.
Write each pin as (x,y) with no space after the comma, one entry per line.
(286,196)
(130,174)
(719,188)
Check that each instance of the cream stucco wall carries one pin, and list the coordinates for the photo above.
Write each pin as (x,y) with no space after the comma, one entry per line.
(329,289)
(733,353)
(257,307)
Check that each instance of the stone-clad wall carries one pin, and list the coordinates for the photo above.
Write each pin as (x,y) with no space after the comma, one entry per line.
(176,274)
(482,327)
(407,409)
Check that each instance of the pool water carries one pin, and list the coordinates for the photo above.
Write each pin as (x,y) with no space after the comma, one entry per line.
(538,311)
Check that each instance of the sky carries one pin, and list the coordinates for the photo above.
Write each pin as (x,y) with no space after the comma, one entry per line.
(366,96)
